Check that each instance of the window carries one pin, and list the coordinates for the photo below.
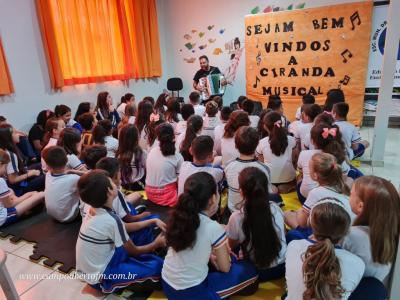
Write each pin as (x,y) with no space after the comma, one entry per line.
(90,41)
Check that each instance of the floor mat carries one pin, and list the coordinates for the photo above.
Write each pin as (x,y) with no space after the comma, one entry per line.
(54,241)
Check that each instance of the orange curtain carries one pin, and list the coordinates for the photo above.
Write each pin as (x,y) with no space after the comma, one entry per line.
(6,85)
(94,41)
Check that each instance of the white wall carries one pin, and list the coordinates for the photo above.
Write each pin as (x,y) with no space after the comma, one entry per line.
(23,47)
(25,56)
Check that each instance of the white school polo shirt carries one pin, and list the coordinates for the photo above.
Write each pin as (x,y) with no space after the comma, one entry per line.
(162,170)
(282,170)
(120,206)
(303,129)
(254,121)
(12,166)
(351,266)
(209,124)
(73,162)
(5,192)
(218,134)
(307,184)
(189,267)
(350,135)
(321,192)
(98,237)
(358,242)
(234,229)
(232,171)
(199,110)
(52,142)
(61,196)
(189,168)
(228,150)
(111,144)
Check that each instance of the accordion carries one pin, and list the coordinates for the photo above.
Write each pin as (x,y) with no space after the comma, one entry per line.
(213,85)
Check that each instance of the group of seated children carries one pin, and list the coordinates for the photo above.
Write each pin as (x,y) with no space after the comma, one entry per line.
(213,166)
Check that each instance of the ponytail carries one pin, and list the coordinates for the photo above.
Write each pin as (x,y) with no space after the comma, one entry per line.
(321,272)
(329,172)
(165,134)
(236,120)
(194,126)
(261,244)
(185,220)
(278,139)
(329,139)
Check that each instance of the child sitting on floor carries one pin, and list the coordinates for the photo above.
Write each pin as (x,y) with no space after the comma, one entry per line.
(228,150)
(184,141)
(275,104)
(11,206)
(187,110)
(61,194)
(172,115)
(54,127)
(140,226)
(327,173)
(258,227)
(306,99)
(317,268)
(104,247)
(132,159)
(87,121)
(248,106)
(63,112)
(129,116)
(194,239)
(202,151)
(20,179)
(375,231)
(219,129)
(92,154)
(277,152)
(246,141)
(102,135)
(163,164)
(194,99)
(302,132)
(210,120)
(355,146)
(70,140)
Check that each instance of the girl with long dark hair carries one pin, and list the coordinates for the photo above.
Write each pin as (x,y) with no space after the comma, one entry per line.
(258,228)
(105,109)
(193,238)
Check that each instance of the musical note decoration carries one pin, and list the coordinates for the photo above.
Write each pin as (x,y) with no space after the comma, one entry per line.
(201,47)
(211,41)
(355,17)
(346,54)
(210,27)
(258,58)
(187,37)
(201,34)
(257,81)
(344,81)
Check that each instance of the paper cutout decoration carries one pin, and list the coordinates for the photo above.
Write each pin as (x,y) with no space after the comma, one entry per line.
(301,5)
(210,27)
(190,46)
(255,10)
(222,31)
(276,9)
(187,37)
(201,34)
(217,51)
(267,9)
(194,30)
(290,7)
(211,41)
(180,50)
(193,51)
(190,60)
(201,47)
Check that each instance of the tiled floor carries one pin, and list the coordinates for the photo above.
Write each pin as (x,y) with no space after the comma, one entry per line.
(18,254)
